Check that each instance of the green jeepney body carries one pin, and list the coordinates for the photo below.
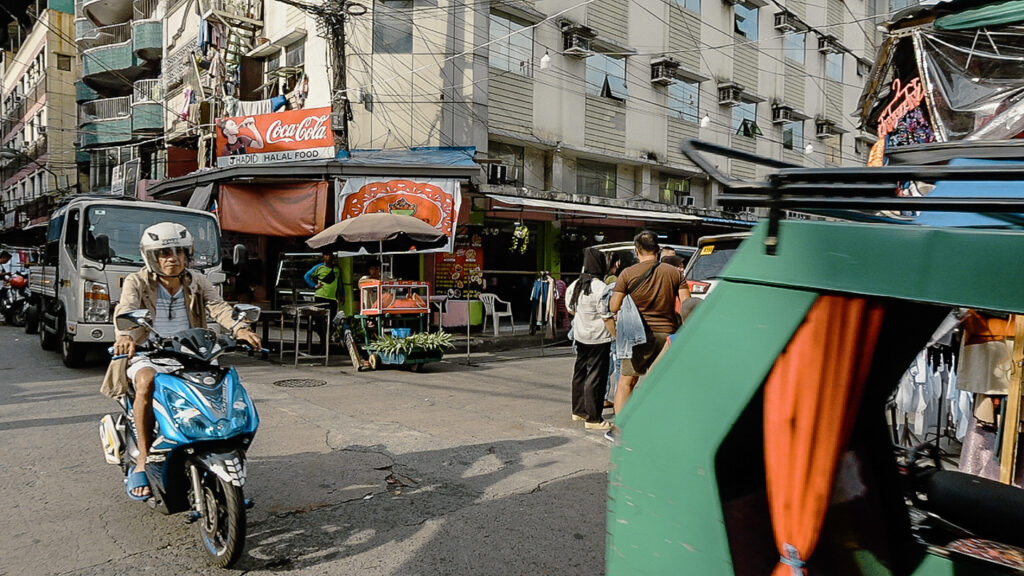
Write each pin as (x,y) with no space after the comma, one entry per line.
(684,489)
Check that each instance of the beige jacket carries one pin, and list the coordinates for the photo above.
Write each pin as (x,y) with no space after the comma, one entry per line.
(140,293)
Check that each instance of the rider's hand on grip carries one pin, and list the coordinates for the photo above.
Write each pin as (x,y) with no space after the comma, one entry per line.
(123,347)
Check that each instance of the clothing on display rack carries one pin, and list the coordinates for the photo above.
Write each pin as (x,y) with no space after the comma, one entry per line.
(542,297)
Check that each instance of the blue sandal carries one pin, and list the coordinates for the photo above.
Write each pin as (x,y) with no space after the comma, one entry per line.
(137,480)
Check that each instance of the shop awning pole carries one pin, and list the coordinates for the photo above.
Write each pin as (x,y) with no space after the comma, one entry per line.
(469,315)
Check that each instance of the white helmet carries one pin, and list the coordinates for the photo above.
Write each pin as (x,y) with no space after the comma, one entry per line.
(164,235)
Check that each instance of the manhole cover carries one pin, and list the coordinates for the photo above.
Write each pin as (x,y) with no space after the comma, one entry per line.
(300,383)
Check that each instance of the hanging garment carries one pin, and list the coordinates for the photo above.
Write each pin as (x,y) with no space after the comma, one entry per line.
(985,367)
(254,107)
(204,35)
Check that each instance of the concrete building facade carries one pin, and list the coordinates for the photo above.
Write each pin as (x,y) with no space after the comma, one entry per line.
(37,104)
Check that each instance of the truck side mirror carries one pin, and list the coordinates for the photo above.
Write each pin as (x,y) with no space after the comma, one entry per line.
(239,256)
(98,248)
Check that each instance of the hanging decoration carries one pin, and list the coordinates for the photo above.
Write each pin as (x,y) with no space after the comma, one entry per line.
(520,238)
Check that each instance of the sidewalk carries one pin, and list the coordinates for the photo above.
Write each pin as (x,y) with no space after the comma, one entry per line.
(484,346)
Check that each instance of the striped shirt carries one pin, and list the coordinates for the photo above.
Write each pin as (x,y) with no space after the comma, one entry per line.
(171,315)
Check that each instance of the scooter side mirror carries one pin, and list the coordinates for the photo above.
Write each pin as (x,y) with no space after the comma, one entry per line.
(132,319)
(246,312)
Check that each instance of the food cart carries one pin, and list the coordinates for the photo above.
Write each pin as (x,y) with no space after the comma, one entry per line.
(393,314)
(759,443)
(389,309)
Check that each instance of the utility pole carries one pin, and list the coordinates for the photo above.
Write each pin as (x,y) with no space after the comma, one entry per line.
(331,17)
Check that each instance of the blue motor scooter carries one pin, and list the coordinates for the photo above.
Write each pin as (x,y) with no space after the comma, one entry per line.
(204,422)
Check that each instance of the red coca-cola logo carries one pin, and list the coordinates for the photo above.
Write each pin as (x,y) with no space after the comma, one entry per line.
(310,128)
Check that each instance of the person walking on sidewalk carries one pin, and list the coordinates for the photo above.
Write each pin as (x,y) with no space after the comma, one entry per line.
(593,342)
(654,287)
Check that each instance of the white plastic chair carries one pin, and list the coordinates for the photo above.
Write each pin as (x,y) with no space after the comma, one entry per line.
(491,302)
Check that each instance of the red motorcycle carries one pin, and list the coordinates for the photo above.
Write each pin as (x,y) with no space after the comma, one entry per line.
(14,299)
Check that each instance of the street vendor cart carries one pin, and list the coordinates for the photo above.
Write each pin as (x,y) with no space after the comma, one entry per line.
(393,314)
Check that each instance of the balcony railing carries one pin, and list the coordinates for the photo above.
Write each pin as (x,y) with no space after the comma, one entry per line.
(146,91)
(177,63)
(145,9)
(106,109)
(113,34)
(243,10)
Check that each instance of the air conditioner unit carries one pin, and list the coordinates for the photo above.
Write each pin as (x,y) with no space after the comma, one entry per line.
(782,114)
(825,128)
(576,40)
(686,200)
(498,174)
(663,71)
(787,22)
(863,67)
(829,45)
(729,94)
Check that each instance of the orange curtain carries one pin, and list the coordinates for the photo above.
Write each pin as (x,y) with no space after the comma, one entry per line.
(811,399)
(297,209)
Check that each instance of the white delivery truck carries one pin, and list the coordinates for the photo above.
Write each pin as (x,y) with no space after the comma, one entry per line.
(92,244)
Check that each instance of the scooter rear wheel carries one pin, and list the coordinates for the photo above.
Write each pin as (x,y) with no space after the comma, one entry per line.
(222,531)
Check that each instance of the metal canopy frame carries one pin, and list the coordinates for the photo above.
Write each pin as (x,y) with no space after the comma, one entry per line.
(793,187)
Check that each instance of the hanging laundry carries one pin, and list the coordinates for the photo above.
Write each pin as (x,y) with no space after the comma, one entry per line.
(254,107)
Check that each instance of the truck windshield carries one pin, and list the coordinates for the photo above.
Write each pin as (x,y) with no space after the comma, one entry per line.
(123,225)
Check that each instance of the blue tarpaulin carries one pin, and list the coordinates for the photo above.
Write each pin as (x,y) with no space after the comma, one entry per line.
(974,189)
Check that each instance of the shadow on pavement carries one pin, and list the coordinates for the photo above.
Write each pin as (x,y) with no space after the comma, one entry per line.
(452,511)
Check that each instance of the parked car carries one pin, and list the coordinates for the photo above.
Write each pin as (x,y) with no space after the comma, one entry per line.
(684,252)
(713,253)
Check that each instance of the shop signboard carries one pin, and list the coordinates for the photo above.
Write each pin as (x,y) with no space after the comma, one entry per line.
(435,201)
(460,274)
(291,136)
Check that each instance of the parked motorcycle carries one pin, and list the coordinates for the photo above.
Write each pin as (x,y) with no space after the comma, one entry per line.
(204,422)
(14,300)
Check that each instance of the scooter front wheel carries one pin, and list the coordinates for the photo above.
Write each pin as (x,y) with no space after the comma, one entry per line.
(222,530)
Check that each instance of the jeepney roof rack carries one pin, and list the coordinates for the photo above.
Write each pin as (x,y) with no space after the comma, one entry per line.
(848,192)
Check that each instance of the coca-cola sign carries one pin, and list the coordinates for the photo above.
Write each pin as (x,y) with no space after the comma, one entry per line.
(295,135)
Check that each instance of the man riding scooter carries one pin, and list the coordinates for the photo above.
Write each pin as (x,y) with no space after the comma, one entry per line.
(177,298)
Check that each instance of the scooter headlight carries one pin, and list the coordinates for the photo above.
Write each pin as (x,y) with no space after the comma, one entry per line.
(193,423)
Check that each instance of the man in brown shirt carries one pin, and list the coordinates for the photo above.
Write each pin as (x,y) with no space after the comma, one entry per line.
(654,287)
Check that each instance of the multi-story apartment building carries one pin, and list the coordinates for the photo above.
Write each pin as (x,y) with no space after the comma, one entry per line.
(37,104)
(120,104)
(575,109)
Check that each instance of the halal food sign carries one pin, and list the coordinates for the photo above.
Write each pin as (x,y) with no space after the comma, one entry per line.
(291,136)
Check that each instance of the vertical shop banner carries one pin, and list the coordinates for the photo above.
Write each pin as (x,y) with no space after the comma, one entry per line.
(291,136)
(435,201)
(460,274)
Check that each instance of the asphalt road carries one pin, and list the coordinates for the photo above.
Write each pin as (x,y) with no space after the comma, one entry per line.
(458,470)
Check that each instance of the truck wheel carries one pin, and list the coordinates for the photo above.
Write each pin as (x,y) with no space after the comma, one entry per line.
(72,353)
(31,319)
(47,340)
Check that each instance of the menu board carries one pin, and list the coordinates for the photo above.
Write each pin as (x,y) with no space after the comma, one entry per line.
(460,274)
